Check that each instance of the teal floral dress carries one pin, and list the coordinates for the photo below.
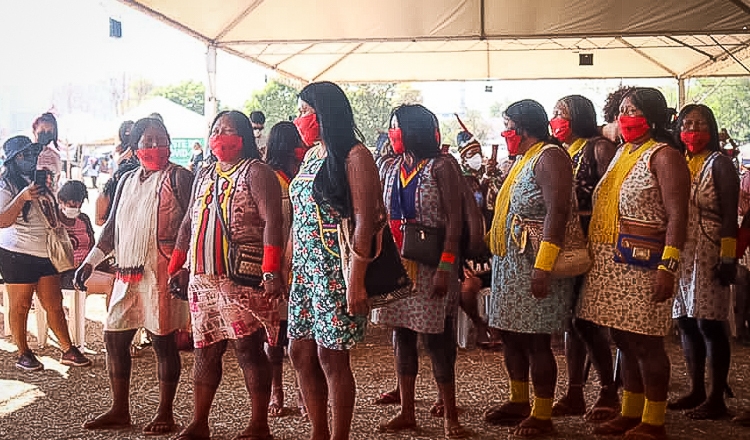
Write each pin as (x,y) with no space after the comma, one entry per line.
(317,300)
(512,307)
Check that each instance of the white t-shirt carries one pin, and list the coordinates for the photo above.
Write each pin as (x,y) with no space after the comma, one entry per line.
(26,237)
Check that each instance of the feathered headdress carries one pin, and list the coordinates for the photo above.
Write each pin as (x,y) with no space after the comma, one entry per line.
(465,139)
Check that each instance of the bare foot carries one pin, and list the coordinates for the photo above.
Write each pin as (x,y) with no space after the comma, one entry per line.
(195,431)
(454,430)
(644,431)
(533,427)
(255,433)
(112,419)
(160,424)
(617,426)
(507,414)
(399,423)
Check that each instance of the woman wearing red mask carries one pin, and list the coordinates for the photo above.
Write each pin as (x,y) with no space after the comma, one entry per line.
(420,187)
(147,209)
(237,199)
(327,314)
(636,233)
(708,266)
(574,124)
(284,153)
(527,304)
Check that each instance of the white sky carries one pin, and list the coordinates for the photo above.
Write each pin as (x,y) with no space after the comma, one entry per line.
(47,44)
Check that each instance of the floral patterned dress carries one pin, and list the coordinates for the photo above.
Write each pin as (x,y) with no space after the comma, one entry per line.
(317,301)
(420,312)
(700,294)
(512,307)
(618,295)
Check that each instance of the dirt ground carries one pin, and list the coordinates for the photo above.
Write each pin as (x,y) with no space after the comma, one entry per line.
(53,403)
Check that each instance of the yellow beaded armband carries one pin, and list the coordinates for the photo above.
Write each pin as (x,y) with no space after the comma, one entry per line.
(728,249)
(547,255)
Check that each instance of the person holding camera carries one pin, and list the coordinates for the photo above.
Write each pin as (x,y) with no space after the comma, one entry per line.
(24,255)
(141,230)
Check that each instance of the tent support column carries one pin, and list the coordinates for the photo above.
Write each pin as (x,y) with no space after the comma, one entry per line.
(681,96)
(211,103)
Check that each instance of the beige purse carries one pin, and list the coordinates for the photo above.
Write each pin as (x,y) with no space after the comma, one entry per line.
(100,282)
(574,258)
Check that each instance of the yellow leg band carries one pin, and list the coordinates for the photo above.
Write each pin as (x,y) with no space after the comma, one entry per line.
(632,404)
(728,247)
(519,391)
(547,255)
(654,412)
(542,408)
(670,253)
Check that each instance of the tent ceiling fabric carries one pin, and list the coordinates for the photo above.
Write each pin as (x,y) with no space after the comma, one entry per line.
(413,40)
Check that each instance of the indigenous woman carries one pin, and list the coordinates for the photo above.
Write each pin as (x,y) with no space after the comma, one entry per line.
(420,187)
(644,197)
(574,124)
(235,201)
(527,305)
(284,152)
(708,267)
(327,313)
(147,209)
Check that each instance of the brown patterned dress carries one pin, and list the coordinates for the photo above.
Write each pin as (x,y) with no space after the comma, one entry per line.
(618,295)
(700,294)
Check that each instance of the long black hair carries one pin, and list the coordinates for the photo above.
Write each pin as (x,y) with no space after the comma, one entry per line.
(530,117)
(283,139)
(713,126)
(652,103)
(419,130)
(244,130)
(582,116)
(340,134)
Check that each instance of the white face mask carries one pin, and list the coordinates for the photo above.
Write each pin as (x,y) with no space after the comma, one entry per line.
(474,162)
(257,132)
(71,212)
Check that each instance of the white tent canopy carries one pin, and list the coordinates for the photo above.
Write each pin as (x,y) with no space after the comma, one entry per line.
(413,40)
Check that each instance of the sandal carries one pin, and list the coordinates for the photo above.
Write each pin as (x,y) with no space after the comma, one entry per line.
(533,428)
(456,432)
(617,426)
(507,414)
(389,398)
(396,424)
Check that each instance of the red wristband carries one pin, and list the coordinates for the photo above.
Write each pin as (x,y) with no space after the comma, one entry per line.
(271,258)
(176,262)
(447,257)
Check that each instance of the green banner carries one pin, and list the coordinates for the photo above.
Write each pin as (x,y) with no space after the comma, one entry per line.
(182,149)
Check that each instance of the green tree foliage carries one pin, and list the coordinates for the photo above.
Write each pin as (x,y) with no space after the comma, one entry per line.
(189,94)
(276,100)
(729,98)
(371,104)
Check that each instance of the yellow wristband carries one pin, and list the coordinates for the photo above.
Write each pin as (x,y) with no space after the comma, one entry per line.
(729,247)
(670,253)
(547,255)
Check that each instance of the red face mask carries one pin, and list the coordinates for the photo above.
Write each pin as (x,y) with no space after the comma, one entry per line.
(397,141)
(308,128)
(153,159)
(560,128)
(226,147)
(512,140)
(632,127)
(299,153)
(695,141)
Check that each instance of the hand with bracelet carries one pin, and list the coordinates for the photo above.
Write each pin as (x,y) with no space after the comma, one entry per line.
(271,266)
(443,275)
(541,275)
(666,275)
